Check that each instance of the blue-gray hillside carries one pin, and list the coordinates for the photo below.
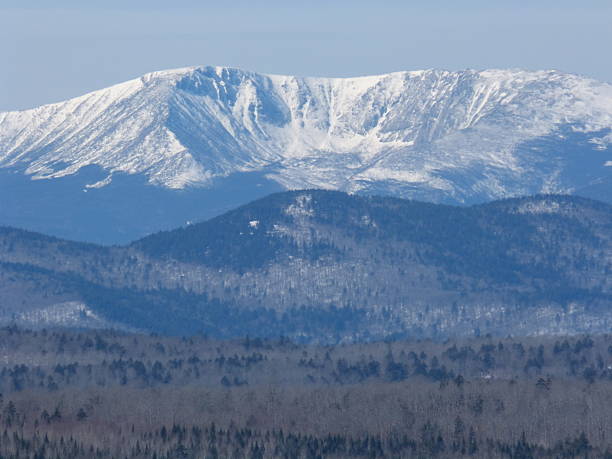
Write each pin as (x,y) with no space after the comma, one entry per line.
(327,266)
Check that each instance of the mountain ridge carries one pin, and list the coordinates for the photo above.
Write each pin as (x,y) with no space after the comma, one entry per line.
(441,136)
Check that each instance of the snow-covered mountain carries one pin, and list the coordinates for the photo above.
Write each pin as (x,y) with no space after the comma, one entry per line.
(464,137)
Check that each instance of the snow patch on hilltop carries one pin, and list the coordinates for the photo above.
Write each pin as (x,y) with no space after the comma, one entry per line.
(66,314)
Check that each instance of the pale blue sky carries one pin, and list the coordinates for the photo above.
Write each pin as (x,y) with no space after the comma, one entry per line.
(54,52)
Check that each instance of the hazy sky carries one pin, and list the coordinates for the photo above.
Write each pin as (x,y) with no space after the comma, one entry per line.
(56,49)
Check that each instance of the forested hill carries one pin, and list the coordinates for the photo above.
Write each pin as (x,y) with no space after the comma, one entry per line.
(328,266)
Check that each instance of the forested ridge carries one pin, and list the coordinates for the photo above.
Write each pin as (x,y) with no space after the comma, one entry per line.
(114,394)
(325,266)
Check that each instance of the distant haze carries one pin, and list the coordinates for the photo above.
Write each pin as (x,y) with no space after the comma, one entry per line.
(51,54)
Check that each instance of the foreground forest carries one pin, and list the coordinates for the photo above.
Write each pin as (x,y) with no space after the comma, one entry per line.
(84,394)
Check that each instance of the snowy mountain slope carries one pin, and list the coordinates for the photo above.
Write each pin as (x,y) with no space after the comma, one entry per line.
(184,126)
(443,136)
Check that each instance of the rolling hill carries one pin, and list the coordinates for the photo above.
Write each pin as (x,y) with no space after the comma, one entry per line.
(329,266)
